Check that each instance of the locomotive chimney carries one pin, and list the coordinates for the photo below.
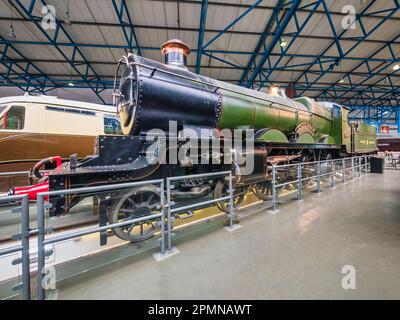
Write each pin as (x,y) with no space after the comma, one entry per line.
(175,52)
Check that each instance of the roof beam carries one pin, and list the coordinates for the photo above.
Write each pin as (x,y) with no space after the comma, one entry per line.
(230,25)
(324,59)
(381,69)
(120,10)
(281,26)
(28,63)
(342,54)
(27,10)
(203,17)
(206,30)
(269,7)
(261,41)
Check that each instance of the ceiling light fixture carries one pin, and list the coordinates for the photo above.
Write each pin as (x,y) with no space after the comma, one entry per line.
(71,84)
(67,20)
(396,67)
(283,42)
(341,79)
(11,33)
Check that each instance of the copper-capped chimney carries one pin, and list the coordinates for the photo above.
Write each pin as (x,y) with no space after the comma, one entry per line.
(175,52)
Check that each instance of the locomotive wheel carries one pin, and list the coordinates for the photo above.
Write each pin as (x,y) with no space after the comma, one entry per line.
(135,203)
(308,170)
(263,190)
(221,189)
(325,167)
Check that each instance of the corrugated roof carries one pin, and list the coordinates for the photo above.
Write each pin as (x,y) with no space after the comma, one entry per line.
(97,33)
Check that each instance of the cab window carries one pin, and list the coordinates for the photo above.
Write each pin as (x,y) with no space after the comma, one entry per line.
(112,126)
(13,118)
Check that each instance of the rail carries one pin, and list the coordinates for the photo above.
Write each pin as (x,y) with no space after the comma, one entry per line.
(167,208)
(23,248)
(41,231)
(359,163)
(170,204)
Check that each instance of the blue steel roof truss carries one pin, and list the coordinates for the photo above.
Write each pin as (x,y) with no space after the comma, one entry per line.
(356,91)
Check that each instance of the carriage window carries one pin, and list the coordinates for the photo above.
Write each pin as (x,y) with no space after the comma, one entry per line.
(112,126)
(13,119)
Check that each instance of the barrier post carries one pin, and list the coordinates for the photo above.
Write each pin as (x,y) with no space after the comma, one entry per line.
(169,224)
(343,170)
(273,187)
(352,169)
(332,166)
(299,182)
(366,164)
(318,176)
(162,206)
(231,209)
(40,246)
(26,279)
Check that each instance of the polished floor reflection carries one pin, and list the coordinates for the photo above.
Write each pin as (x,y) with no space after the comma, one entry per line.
(297,253)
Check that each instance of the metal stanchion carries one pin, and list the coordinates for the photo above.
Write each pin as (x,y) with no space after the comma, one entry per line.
(273,187)
(162,206)
(358,166)
(331,164)
(366,164)
(319,176)
(352,169)
(26,281)
(169,224)
(343,170)
(299,182)
(40,248)
(231,210)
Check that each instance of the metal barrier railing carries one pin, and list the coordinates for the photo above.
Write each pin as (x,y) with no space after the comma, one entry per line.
(13,173)
(170,204)
(23,248)
(358,164)
(299,178)
(41,232)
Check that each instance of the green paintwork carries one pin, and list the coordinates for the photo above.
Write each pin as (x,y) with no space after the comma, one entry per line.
(337,124)
(305,138)
(327,140)
(303,118)
(273,135)
(346,130)
(364,139)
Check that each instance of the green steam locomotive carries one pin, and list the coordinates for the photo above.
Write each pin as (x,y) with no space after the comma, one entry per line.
(150,95)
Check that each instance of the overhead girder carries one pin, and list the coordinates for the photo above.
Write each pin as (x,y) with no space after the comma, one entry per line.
(259,67)
(345,53)
(26,9)
(121,9)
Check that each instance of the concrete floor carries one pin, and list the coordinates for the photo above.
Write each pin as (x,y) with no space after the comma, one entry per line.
(297,253)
